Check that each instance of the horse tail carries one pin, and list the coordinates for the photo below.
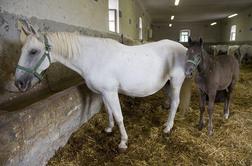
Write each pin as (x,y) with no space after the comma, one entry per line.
(185,95)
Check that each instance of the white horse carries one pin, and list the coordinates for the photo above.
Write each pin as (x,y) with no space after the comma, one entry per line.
(244,51)
(232,49)
(221,49)
(108,68)
(218,49)
(212,49)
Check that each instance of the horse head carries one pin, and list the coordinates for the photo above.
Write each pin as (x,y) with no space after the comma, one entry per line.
(34,57)
(194,55)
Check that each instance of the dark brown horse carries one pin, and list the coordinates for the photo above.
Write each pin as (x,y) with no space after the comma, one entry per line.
(215,78)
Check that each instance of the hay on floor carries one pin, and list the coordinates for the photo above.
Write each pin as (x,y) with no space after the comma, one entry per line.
(231,143)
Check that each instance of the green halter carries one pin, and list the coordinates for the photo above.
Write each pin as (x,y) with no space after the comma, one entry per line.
(34,69)
(196,60)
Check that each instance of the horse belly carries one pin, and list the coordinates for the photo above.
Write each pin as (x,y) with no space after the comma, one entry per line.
(142,86)
(143,76)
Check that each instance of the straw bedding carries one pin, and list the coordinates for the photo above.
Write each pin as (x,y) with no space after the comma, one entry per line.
(231,143)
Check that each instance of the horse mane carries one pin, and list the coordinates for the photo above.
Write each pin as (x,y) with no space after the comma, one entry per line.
(65,44)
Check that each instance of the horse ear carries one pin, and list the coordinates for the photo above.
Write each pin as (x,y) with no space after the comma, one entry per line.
(189,40)
(201,41)
(35,29)
(23,31)
(27,27)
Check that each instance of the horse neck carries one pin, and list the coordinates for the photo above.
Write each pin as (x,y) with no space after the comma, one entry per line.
(205,63)
(65,47)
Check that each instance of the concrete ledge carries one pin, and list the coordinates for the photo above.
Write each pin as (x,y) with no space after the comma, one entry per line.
(31,136)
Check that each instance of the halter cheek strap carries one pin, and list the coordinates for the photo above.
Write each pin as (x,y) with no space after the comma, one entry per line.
(34,69)
(196,60)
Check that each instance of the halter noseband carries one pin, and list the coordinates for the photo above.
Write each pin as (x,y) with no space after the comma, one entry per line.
(34,69)
(196,60)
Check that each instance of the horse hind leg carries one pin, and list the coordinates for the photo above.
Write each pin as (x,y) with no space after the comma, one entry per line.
(111,121)
(111,101)
(167,91)
(227,100)
(210,112)
(175,86)
(226,106)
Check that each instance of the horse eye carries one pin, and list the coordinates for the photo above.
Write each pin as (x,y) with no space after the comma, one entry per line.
(33,51)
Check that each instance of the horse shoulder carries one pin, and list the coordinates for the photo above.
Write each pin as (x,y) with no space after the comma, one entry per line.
(201,82)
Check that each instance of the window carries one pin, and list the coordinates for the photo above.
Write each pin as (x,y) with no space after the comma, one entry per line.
(184,35)
(233,33)
(112,20)
(113,15)
(140,28)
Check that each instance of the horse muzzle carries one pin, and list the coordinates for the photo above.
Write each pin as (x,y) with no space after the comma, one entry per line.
(188,74)
(23,83)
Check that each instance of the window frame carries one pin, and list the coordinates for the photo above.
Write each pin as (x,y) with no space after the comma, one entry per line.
(140,27)
(233,31)
(182,37)
(113,5)
(113,21)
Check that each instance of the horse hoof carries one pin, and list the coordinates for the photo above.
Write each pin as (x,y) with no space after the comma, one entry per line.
(108,130)
(226,116)
(166,106)
(201,126)
(122,147)
(210,133)
(122,150)
(167,130)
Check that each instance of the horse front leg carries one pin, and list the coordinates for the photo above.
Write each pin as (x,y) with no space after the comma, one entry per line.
(241,58)
(202,109)
(210,112)
(175,86)
(112,104)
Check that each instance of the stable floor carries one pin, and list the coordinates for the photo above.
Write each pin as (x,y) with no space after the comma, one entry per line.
(231,143)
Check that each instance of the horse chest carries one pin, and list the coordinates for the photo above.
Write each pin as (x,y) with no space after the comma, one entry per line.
(201,82)
(99,82)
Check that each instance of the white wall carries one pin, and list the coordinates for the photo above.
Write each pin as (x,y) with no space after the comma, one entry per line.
(85,13)
(132,10)
(91,14)
(217,33)
(198,29)
(244,26)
